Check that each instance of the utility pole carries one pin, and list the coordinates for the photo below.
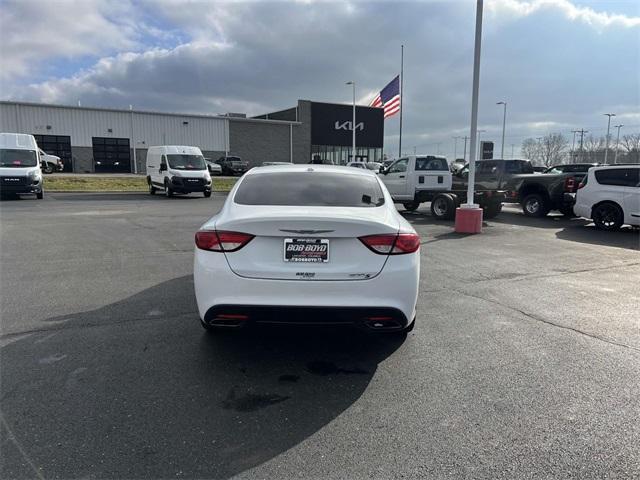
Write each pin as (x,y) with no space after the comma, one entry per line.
(582,131)
(573,146)
(606,148)
(615,158)
(504,122)
(438,148)
(464,155)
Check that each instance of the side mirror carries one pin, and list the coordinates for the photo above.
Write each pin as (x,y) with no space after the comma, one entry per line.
(163,167)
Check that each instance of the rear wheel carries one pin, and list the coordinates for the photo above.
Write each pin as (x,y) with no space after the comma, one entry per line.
(48,168)
(411,206)
(207,193)
(443,207)
(607,216)
(535,205)
(40,195)
(152,189)
(168,192)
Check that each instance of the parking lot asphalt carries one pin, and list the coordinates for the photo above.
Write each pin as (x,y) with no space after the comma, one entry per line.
(525,361)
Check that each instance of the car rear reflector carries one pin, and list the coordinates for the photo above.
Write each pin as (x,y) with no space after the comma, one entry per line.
(221,241)
(392,244)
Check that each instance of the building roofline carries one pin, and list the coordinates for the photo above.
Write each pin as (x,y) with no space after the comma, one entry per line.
(148,112)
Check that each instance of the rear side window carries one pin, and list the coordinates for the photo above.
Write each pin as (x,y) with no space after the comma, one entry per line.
(518,166)
(622,177)
(310,189)
(431,163)
(487,167)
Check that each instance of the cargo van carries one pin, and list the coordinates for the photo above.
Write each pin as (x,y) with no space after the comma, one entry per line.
(177,169)
(20,165)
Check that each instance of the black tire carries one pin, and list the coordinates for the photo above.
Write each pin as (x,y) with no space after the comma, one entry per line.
(443,207)
(411,206)
(152,189)
(48,168)
(168,192)
(492,210)
(607,216)
(40,195)
(535,205)
(207,193)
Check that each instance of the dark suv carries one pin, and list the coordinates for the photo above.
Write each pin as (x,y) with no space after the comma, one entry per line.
(232,165)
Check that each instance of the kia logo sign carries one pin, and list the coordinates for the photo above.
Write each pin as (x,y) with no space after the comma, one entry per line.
(347,126)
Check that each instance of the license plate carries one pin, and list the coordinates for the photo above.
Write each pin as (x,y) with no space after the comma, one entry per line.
(306,250)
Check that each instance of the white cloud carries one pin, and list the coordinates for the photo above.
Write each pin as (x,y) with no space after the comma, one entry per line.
(34,31)
(587,15)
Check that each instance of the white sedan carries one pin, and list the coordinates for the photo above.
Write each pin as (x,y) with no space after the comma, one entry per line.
(310,244)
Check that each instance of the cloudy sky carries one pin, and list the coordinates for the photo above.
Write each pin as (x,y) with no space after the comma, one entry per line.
(560,64)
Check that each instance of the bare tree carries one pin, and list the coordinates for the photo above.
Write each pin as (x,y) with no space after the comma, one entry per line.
(531,150)
(553,148)
(631,143)
(593,149)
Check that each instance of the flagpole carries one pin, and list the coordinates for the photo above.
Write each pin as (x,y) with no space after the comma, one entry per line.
(401,92)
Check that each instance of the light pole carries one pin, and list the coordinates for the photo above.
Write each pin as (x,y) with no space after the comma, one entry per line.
(469,215)
(353,123)
(479,153)
(615,158)
(504,122)
(606,148)
(573,146)
(455,148)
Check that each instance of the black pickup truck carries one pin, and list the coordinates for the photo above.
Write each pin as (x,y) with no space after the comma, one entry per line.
(538,194)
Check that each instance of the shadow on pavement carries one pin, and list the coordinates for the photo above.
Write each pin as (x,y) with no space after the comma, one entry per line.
(137,389)
(626,237)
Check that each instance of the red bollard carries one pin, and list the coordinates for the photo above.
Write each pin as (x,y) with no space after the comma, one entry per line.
(469,219)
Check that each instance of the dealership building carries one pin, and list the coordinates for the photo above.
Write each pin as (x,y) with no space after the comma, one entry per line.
(106,140)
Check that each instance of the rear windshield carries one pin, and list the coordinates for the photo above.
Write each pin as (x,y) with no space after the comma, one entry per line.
(186,162)
(310,189)
(18,158)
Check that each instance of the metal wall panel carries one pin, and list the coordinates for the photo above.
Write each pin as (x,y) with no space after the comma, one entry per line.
(82,124)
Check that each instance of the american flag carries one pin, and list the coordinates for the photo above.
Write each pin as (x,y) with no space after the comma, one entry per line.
(389,98)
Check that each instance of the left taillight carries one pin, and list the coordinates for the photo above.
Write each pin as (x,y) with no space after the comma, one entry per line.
(221,241)
(392,244)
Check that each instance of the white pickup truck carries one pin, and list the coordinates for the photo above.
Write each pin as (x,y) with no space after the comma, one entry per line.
(415,179)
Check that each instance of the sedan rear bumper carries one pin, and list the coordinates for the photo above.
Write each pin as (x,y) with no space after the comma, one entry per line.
(392,293)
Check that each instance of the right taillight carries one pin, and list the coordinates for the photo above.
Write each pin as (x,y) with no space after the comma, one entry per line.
(221,241)
(392,244)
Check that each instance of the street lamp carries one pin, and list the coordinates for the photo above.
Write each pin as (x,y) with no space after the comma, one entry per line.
(504,121)
(615,158)
(455,147)
(353,123)
(606,148)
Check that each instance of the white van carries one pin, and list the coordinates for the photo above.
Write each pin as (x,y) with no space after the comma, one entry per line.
(20,165)
(177,169)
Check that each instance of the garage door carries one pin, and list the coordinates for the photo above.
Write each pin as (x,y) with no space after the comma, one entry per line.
(59,145)
(111,155)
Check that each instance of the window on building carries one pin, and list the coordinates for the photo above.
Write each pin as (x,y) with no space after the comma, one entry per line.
(58,145)
(111,155)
